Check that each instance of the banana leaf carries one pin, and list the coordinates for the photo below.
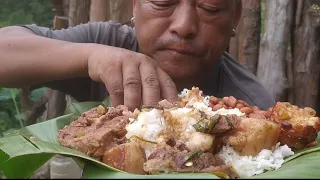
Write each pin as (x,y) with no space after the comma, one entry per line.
(24,151)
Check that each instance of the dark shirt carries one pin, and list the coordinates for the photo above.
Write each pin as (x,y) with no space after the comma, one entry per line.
(227,78)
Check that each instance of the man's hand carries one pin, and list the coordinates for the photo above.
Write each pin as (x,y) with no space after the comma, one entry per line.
(131,78)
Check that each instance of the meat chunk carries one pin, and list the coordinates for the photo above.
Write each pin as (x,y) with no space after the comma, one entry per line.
(251,136)
(94,132)
(128,157)
(299,126)
(225,124)
(207,160)
(165,104)
(166,158)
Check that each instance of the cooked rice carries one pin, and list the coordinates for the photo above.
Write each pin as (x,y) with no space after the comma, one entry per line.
(247,166)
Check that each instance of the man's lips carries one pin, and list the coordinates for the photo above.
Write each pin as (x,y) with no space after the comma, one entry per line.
(184,50)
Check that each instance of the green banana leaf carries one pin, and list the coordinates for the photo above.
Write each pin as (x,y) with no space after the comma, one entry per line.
(24,151)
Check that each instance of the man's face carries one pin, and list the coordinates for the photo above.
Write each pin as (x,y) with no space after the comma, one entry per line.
(185,36)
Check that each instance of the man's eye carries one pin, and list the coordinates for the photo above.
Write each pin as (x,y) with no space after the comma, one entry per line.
(211,10)
(162,4)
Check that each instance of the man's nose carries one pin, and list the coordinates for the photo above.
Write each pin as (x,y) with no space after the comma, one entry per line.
(184,22)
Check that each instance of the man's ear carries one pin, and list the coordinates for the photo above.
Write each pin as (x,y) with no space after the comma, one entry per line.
(238,13)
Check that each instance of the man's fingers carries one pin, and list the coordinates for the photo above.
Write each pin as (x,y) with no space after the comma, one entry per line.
(132,86)
(150,84)
(167,86)
(113,81)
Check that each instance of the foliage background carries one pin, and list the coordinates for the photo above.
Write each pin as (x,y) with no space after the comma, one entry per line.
(13,12)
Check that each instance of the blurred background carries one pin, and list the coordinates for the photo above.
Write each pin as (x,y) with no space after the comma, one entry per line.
(277,40)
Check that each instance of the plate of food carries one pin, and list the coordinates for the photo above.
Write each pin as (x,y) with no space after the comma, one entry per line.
(196,137)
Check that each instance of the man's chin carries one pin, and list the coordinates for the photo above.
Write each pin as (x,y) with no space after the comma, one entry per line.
(177,73)
(178,66)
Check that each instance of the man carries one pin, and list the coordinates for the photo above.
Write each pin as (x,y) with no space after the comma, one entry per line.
(176,44)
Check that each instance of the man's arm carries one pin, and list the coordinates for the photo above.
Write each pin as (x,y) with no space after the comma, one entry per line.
(34,55)
(28,59)
(131,78)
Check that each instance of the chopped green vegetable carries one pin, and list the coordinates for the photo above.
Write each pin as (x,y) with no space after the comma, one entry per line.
(141,139)
(229,123)
(206,125)
(192,154)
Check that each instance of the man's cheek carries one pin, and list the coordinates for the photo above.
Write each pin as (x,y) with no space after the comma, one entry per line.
(146,45)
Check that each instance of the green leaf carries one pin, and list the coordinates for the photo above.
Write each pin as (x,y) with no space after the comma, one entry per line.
(78,108)
(37,141)
(5,93)
(24,166)
(305,151)
(23,151)
(22,160)
(9,132)
(107,101)
(91,171)
(19,116)
(37,93)
(304,167)
(4,117)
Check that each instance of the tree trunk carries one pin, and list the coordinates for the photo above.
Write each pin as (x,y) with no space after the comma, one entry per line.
(60,19)
(57,100)
(99,10)
(79,11)
(120,11)
(273,46)
(245,45)
(249,49)
(306,63)
(56,104)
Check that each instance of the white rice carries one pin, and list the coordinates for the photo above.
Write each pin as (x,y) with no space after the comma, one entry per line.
(207,100)
(184,93)
(147,126)
(247,166)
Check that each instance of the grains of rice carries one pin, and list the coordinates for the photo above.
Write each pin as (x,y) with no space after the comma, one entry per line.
(147,126)
(248,166)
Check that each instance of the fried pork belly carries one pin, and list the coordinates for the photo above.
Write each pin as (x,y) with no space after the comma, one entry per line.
(128,157)
(251,136)
(96,131)
(299,126)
